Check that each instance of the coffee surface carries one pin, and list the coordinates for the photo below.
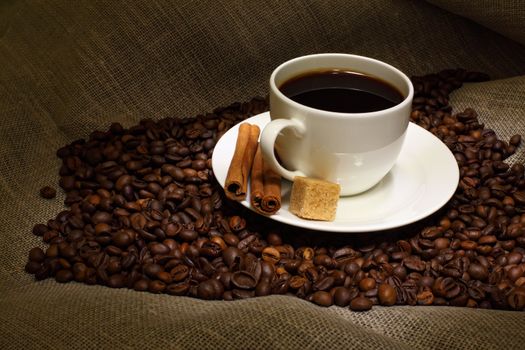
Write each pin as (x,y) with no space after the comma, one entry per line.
(341,91)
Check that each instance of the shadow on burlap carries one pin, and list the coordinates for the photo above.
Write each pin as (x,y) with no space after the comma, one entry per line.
(70,69)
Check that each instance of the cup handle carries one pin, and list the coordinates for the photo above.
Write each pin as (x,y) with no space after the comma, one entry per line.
(268,137)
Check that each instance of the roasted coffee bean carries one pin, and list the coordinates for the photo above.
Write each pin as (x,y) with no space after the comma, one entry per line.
(210,249)
(141,285)
(245,244)
(267,270)
(179,272)
(514,258)
(387,294)
(446,287)
(40,229)
(37,255)
(237,223)
(101,217)
(123,238)
(114,265)
(165,277)
(232,257)
(48,192)
(478,272)
(152,270)
(308,253)
(80,272)
(325,283)
(342,296)
(367,284)
(515,140)
(64,276)
(425,297)
(42,273)
(237,294)
(188,235)
(178,289)
(324,260)
(515,272)
(414,263)
(516,298)
(338,276)
(280,285)
(158,248)
(372,294)
(263,288)
(271,255)
(52,251)
(231,239)
(352,268)
(441,243)
(156,286)
(426,281)
(116,281)
(243,280)
(66,250)
(312,274)
(33,267)
(210,289)
(361,304)
(322,298)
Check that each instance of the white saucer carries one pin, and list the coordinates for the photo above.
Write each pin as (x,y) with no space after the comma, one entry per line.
(424,178)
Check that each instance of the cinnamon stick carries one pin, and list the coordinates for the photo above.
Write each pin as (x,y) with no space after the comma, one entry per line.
(236,184)
(265,194)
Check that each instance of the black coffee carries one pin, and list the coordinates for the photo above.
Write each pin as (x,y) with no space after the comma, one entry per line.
(341,91)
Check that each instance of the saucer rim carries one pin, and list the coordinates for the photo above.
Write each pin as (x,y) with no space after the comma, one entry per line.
(328,226)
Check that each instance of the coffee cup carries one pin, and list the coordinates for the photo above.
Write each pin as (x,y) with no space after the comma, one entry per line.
(337,117)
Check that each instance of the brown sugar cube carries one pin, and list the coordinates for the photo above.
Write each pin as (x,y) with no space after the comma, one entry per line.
(314,199)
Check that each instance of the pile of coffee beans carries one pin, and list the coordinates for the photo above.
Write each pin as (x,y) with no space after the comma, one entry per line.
(145,212)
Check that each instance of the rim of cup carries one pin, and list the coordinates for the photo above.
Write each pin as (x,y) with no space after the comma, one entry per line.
(403,104)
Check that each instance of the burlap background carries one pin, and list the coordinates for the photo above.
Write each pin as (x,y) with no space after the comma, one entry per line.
(68,68)
(503,16)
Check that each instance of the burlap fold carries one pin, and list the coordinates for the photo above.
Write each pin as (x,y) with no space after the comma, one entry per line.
(504,17)
(69,68)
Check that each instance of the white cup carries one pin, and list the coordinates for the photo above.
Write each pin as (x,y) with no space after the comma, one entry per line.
(355,150)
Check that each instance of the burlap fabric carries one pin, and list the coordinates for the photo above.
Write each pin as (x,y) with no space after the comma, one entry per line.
(503,16)
(71,67)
